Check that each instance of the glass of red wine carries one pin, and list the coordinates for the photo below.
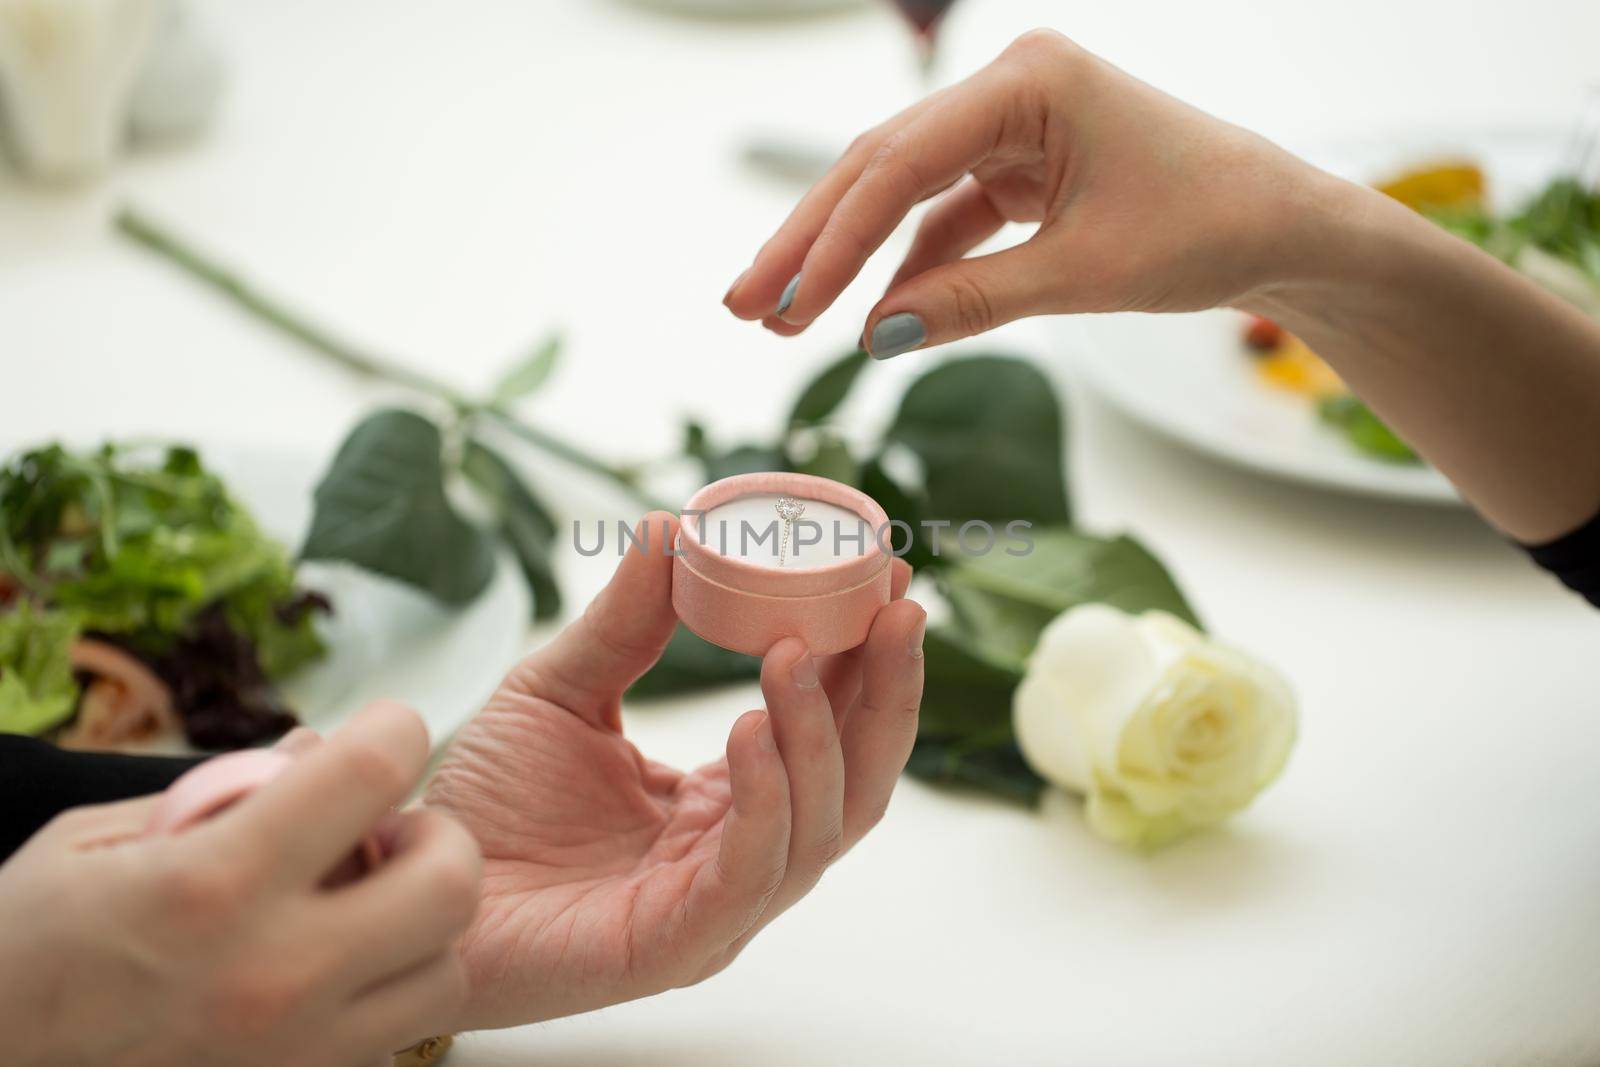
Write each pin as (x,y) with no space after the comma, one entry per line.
(925,17)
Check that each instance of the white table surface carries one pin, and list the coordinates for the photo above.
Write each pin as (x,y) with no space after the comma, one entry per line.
(444,180)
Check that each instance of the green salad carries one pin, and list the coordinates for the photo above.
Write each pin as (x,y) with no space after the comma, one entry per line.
(137,596)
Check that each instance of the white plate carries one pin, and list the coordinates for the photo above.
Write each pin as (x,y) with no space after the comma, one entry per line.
(1190,378)
(384,639)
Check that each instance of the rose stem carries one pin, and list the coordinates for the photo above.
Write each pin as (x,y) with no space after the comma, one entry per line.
(165,244)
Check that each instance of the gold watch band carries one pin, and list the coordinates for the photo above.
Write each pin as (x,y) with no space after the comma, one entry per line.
(427,1051)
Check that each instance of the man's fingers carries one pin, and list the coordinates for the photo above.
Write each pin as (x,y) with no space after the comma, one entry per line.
(730,894)
(962,299)
(841,674)
(883,726)
(960,221)
(413,906)
(620,636)
(304,822)
(808,741)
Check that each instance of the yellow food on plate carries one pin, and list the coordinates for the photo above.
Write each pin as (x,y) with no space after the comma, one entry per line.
(1439,185)
(1291,365)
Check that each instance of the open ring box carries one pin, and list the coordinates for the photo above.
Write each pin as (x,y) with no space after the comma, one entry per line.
(770,555)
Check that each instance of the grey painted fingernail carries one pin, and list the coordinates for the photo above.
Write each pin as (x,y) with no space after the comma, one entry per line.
(788,294)
(897,334)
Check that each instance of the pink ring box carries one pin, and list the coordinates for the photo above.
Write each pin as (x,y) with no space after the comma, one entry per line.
(208,789)
(748,606)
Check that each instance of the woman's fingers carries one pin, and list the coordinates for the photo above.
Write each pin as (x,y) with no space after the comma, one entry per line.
(883,726)
(730,894)
(592,662)
(928,155)
(311,816)
(298,741)
(759,291)
(960,221)
(808,741)
(965,298)
(411,907)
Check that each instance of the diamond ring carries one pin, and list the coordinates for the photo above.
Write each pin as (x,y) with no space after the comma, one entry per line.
(789,509)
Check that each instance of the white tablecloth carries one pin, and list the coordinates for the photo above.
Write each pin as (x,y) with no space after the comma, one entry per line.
(444,180)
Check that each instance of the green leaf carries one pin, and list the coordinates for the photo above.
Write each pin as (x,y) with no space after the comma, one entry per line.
(998,770)
(966,695)
(902,506)
(525,523)
(528,374)
(37,689)
(988,430)
(830,458)
(964,734)
(1002,601)
(718,463)
(1364,429)
(691,664)
(382,505)
(827,390)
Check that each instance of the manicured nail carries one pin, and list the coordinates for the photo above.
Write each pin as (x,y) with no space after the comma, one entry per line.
(788,294)
(914,645)
(736,283)
(764,739)
(804,672)
(897,334)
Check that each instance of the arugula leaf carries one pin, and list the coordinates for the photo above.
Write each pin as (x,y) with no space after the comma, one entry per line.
(822,397)
(1364,429)
(691,664)
(37,689)
(382,505)
(139,548)
(528,374)
(525,523)
(989,432)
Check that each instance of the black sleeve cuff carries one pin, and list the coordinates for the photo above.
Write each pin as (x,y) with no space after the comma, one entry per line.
(39,781)
(1575,559)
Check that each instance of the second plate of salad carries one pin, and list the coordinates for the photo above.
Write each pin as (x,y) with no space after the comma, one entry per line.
(1243,390)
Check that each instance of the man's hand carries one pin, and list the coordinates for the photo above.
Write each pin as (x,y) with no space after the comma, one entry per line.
(609,877)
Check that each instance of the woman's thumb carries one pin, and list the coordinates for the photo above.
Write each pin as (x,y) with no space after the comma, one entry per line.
(960,299)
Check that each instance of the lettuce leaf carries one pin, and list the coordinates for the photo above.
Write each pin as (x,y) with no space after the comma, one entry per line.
(37,689)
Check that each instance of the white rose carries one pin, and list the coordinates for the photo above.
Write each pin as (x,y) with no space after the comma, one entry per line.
(1160,728)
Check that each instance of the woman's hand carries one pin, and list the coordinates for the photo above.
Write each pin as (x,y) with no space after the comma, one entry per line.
(219,944)
(608,876)
(1143,203)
